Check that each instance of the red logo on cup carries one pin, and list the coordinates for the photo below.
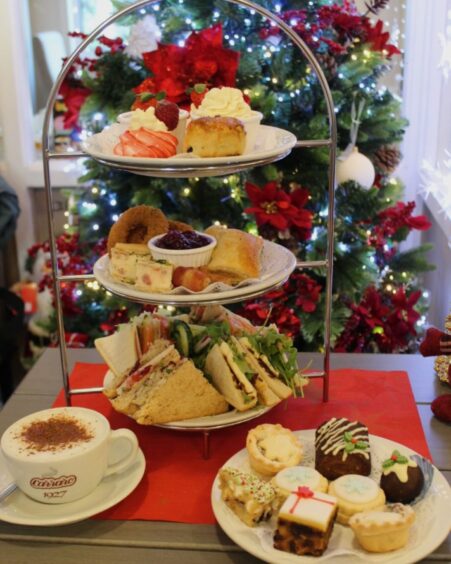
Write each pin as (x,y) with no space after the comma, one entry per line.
(48,483)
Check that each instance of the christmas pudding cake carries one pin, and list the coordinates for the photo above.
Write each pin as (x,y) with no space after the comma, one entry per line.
(402,479)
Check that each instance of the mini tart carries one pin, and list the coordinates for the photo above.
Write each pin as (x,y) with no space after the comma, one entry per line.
(355,494)
(289,479)
(382,531)
(272,448)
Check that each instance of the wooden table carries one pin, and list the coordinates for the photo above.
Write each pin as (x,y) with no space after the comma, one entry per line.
(133,542)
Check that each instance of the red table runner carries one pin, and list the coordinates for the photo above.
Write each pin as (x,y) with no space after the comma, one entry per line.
(177,482)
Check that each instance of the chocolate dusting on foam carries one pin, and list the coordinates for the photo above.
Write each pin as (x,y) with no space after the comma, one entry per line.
(60,431)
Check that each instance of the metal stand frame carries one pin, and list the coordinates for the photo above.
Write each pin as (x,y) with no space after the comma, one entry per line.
(331,143)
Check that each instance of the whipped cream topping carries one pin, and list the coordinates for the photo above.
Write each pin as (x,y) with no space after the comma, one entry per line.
(147,119)
(225,102)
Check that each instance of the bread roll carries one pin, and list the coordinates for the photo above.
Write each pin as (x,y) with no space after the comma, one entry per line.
(237,253)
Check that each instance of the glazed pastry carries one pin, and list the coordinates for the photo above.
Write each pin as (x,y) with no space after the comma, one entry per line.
(215,137)
(251,499)
(355,494)
(342,447)
(382,531)
(402,479)
(305,522)
(290,479)
(272,448)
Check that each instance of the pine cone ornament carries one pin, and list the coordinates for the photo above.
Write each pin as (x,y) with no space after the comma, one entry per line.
(328,64)
(386,159)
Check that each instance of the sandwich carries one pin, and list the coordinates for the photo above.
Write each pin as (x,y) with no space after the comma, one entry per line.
(158,385)
(260,362)
(239,382)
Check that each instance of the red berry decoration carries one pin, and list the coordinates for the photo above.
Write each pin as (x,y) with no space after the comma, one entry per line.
(394,457)
(197,94)
(168,113)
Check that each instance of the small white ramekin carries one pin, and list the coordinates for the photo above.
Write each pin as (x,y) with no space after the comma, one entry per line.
(183,257)
(179,131)
(251,125)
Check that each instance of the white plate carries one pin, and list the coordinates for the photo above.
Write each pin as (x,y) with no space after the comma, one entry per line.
(209,422)
(277,265)
(22,510)
(272,143)
(432,525)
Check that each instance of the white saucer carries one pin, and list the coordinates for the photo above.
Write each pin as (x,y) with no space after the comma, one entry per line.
(22,510)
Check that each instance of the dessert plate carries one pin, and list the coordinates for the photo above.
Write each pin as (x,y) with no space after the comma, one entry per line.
(273,144)
(210,422)
(22,510)
(277,265)
(432,525)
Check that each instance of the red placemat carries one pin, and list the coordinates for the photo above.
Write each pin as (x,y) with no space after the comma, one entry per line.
(177,482)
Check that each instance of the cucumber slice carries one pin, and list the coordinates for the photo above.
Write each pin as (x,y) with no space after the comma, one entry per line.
(183,337)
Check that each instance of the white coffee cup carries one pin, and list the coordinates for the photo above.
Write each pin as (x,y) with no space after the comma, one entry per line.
(59,455)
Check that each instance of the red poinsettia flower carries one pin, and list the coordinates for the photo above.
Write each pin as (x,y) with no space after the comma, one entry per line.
(401,322)
(275,207)
(74,97)
(203,59)
(378,39)
(307,291)
(271,205)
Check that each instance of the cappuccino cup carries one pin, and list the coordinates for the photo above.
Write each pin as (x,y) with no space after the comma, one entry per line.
(61,454)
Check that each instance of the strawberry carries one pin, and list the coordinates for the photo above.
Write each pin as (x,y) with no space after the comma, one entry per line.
(197,94)
(168,113)
(146,99)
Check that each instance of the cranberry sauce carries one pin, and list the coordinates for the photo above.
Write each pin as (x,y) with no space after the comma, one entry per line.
(180,240)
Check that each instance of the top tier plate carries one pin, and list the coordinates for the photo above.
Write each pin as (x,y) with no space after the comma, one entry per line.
(273,144)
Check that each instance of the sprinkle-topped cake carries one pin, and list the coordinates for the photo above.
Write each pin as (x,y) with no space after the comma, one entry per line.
(305,522)
(249,497)
(342,447)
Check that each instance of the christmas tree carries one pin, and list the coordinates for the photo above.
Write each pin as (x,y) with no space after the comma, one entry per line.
(173,47)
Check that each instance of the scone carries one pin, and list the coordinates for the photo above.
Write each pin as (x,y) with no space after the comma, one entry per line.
(272,448)
(305,522)
(355,494)
(289,479)
(382,531)
(215,137)
(251,499)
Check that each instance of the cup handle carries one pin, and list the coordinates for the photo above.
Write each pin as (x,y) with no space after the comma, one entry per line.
(131,450)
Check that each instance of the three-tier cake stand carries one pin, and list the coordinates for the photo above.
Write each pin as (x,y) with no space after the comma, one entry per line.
(167,170)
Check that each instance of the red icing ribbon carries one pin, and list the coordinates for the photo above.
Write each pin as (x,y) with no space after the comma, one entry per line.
(304,492)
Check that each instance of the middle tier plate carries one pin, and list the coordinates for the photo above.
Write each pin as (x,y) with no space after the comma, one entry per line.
(273,144)
(277,265)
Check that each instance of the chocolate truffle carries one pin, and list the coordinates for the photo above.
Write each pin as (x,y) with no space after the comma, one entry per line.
(402,479)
